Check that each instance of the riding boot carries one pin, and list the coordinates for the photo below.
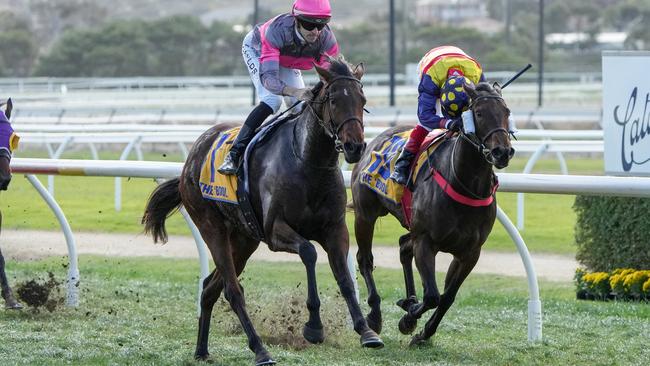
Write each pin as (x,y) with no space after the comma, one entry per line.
(246,133)
(402,167)
(403,163)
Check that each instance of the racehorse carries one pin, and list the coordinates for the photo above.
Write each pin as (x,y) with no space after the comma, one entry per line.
(8,141)
(297,192)
(455,216)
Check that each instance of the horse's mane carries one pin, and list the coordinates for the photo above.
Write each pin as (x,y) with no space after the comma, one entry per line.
(486,87)
(339,66)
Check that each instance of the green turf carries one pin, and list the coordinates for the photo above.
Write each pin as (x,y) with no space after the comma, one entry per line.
(143,312)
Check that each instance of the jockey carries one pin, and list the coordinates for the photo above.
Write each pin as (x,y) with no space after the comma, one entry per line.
(443,71)
(274,53)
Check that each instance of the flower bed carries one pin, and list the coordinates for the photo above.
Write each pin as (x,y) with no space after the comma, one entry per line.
(621,284)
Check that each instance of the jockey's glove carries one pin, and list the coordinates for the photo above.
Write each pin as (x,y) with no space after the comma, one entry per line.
(454,124)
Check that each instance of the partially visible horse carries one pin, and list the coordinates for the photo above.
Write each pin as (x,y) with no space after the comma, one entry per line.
(8,142)
(296,190)
(439,223)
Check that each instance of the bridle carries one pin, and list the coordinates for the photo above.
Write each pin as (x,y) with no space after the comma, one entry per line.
(474,140)
(331,128)
(479,144)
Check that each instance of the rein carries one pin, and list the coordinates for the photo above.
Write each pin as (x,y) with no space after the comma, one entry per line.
(331,128)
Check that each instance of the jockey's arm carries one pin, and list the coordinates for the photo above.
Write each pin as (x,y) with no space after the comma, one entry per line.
(428,93)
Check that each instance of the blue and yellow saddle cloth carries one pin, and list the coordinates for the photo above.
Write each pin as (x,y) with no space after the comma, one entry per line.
(382,163)
(215,186)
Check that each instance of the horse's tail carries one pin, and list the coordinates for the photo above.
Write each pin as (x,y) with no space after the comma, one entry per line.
(163,202)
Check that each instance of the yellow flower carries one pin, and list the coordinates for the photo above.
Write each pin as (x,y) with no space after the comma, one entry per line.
(646,287)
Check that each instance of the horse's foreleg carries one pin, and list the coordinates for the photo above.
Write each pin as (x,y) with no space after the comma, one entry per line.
(456,275)
(337,245)
(406,259)
(425,260)
(286,239)
(7,294)
(364,231)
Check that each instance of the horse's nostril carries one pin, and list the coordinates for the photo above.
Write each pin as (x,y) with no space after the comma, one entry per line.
(511,153)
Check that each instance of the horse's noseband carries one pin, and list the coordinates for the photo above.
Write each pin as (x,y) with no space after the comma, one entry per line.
(331,129)
(479,143)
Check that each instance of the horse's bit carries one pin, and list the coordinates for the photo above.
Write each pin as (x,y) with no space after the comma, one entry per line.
(332,130)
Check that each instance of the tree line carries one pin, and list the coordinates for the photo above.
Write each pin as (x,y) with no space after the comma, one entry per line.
(183,46)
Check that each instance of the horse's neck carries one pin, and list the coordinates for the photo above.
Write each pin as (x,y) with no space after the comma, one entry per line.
(312,144)
(471,169)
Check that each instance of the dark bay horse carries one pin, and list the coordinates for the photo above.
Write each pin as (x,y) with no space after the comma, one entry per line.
(8,142)
(439,223)
(296,190)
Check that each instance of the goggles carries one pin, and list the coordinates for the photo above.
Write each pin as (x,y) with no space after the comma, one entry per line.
(311,23)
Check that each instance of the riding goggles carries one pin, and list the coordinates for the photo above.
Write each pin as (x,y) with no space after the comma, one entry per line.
(309,25)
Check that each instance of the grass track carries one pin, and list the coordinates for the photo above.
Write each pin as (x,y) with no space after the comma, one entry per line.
(142,312)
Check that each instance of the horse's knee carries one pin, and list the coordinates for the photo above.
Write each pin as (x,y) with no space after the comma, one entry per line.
(308,254)
(366,262)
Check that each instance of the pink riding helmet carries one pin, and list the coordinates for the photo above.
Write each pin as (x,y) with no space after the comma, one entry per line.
(317,11)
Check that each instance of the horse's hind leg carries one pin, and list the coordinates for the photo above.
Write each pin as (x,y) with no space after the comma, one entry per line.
(337,245)
(456,274)
(406,259)
(364,232)
(7,294)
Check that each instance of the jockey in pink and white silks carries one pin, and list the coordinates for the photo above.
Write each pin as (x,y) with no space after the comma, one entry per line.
(443,71)
(275,52)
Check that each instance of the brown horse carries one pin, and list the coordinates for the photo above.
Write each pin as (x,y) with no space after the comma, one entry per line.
(297,193)
(439,223)
(8,141)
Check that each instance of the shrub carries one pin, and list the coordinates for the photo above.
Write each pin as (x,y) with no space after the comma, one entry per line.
(612,232)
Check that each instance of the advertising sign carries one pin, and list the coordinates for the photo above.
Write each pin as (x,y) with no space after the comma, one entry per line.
(626,112)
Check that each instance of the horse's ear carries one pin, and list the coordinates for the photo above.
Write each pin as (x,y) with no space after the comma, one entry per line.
(497,87)
(359,70)
(9,108)
(324,74)
(470,89)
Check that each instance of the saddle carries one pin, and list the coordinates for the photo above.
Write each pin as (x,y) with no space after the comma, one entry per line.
(382,163)
(235,189)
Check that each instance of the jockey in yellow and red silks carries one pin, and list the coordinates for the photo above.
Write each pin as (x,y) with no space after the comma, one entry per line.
(443,71)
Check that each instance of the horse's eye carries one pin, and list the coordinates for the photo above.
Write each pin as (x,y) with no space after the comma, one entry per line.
(478,114)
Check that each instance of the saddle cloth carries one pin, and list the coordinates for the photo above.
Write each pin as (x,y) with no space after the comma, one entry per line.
(382,163)
(215,186)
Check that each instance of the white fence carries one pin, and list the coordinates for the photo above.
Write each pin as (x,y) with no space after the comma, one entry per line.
(133,136)
(532,183)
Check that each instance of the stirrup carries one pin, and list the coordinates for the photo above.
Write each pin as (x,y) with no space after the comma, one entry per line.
(229,166)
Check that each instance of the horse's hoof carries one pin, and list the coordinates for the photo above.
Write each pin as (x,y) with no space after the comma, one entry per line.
(14,306)
(201,356)
(370,339)
(374,323)
(405,304)
(313,335)
(264,358)
(417,340)
(407,324)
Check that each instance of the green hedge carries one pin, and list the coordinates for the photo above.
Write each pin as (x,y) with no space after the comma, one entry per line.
(612,232)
